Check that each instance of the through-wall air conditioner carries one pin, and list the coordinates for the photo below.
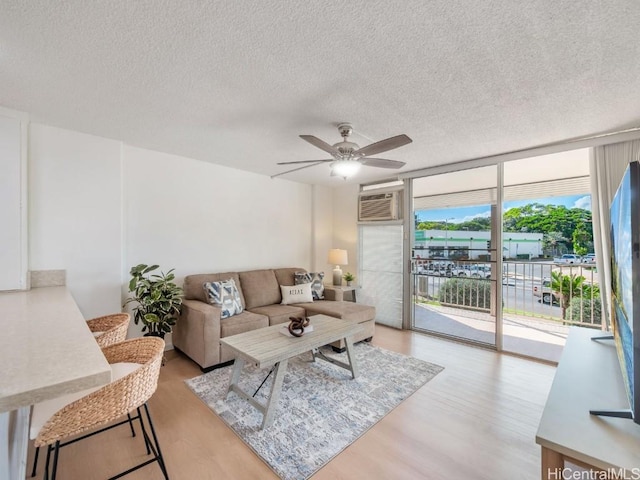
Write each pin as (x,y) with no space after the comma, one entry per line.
(377,207)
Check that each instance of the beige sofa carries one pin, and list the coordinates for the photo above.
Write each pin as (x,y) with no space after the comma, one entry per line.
(199,328)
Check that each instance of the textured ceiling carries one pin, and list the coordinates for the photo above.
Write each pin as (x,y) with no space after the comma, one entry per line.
(236,82)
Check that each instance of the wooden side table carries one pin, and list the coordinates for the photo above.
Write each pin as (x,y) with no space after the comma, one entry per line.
(339,291)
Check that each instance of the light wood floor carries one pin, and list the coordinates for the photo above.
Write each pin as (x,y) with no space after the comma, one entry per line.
(475,420)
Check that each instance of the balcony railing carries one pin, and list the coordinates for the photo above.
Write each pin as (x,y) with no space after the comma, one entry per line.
(568,294)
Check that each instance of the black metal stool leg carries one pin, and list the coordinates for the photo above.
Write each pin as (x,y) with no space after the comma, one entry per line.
(133,432)
(144,432)
(35,462)
(46,464)
(155,439)
(55,460)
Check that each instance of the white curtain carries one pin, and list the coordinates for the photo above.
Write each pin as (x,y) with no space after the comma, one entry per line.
(608,163)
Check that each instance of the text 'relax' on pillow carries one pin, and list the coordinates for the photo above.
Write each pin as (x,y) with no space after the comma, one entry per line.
(296,294)
(315,279)
(225,294)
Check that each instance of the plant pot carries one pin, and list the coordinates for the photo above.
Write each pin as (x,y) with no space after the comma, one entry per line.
(349,283)
(154,334)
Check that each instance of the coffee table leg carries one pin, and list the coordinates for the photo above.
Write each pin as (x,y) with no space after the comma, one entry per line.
(238,364)
(352,357)
(276,388)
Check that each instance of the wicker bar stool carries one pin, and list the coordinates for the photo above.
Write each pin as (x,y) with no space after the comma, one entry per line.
(110,329)
(135,366)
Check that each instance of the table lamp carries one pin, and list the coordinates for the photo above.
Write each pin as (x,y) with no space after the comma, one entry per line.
(338,257)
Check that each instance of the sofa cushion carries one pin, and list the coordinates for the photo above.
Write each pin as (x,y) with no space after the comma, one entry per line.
(280,313)
(259,287)
(346,310)
(286,276)
(296,293)
(193,285)
(315,279)
(224,294)
(243,322)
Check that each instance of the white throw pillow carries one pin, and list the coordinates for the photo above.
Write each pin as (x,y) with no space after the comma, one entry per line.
(296,294)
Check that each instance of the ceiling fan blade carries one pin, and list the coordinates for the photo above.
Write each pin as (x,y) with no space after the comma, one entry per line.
(381,162)
(305,161)
(321,144)
(384,145)
(299,168)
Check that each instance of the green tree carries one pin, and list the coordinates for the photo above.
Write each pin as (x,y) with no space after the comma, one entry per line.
(581,239)
(428,225)
(570,287)
(466,292)
(477,224)
(567,286)
(586,309)
(557,222)
(552,241)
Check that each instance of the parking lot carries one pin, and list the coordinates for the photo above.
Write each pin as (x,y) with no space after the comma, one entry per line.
(518,282)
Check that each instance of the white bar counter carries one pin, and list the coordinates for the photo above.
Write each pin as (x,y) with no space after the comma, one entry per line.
(46,350)
(588,377)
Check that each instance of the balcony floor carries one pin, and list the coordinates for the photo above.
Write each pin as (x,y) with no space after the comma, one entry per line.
(532,337)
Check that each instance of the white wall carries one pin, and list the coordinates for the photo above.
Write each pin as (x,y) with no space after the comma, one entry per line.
(13,187)
(98,207)
(345,226)
(322,235)
(75,214)
(198,217)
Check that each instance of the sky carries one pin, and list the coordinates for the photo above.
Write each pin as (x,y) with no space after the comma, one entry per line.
(464,214)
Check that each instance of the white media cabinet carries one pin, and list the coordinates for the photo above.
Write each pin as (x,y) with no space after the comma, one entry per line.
(588,377)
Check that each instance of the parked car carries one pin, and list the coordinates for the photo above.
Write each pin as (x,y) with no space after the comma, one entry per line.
(567,258)
(437,268)
(589,258)
(544,291)
(473,271)
(480,271)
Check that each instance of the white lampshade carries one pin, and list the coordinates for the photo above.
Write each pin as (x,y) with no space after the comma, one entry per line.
(338,257)
(345,168)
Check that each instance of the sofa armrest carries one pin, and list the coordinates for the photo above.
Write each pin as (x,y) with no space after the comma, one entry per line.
(337,294)
(329,294)
(197,332)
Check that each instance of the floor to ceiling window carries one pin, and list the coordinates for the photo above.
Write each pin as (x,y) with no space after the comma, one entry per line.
(553,284)
(460,274)
(453,263)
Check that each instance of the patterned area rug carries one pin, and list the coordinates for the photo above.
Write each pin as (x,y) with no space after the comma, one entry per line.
(321,411)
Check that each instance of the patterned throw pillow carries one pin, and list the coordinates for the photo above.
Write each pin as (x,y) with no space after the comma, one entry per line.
(296,294)
(315,279)
(226,295)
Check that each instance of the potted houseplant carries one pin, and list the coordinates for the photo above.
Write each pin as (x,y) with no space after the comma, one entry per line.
(158,299)
(349,277)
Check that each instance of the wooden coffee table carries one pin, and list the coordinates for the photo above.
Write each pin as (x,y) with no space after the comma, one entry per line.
(267,347)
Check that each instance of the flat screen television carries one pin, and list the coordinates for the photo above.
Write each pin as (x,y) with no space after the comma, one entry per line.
(625,287)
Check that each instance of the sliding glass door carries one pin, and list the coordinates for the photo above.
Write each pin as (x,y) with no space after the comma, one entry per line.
(486,254)
(453,261)
(547,214)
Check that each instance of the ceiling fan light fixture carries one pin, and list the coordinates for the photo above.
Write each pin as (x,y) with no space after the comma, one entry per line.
(345,168)
(348,157)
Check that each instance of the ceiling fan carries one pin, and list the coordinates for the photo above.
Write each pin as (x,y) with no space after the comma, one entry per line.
(348,157)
